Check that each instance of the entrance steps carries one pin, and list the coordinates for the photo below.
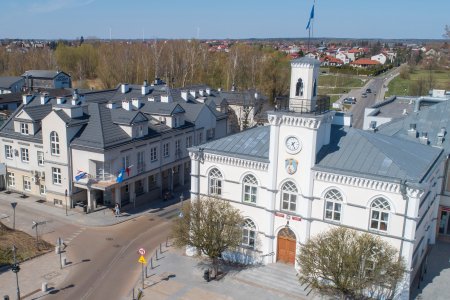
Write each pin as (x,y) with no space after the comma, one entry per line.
(278,278)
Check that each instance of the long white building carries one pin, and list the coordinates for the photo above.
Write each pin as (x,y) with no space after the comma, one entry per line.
(305,173)
(71,150)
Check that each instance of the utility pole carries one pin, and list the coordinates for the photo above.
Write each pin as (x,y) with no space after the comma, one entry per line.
(14,204)
(15,268)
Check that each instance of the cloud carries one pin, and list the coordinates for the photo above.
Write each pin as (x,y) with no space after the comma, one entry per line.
(54,5)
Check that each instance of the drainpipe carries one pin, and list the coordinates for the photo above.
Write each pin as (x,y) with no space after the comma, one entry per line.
(405,197)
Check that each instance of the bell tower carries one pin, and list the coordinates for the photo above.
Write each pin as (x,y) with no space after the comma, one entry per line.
(304,77)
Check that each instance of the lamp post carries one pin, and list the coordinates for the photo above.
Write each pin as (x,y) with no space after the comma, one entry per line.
(15,268)
(14,204)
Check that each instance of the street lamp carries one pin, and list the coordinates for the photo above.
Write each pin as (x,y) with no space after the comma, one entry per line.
(16,268)
(14,204)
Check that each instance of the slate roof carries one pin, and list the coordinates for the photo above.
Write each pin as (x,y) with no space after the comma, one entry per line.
(252,144)
(122,116)
(429,120)
(377,156)
(7,81)
(37,112)
(50,74)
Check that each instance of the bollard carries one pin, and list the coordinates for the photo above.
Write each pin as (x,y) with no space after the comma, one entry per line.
(44,287)
(146,269)
(160,248)
(151,263)
(64,261)
(167,242)
(156,254)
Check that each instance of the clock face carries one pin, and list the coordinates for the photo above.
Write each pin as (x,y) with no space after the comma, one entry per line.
(293,145)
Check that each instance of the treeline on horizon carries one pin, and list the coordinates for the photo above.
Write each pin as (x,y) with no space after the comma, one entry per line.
(178,62)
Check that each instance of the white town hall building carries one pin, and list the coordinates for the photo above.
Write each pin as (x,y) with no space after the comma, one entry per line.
(306,172)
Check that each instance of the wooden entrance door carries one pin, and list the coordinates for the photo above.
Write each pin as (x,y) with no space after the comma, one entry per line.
(286,246)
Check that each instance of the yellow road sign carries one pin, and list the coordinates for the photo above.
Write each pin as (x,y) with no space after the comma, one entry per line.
(142,260)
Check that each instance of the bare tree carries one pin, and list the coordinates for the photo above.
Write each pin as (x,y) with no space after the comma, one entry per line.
(210,225)
(345,263)
(446,34)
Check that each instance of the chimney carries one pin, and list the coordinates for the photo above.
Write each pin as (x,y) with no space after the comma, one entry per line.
(405,112)
(256,95)
(424,138)
(126,104)
(124,88)
(184,95)
(412,132)
(112,105)
(219,89)
(193,93)
(145,89)
(75,95)
(201,93)
(233,87)
(136,103)
(74,101)
(151,99)
(208,91)
(60,100)
(165,98)
(27,98)
(44,98)
(440,136)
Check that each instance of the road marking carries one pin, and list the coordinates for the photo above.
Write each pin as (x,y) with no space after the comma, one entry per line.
(74,235)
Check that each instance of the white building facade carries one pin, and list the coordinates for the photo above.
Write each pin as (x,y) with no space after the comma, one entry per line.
(301,175)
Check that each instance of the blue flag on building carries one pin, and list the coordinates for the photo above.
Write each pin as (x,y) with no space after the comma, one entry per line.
(120,176)
(80,175)
(311,16)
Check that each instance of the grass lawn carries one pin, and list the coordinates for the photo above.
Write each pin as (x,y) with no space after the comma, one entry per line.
(25,244)
(340,81)
(401,87)
(330,90)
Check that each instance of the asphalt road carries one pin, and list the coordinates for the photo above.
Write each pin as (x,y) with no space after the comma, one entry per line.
(378,90)
(105,260)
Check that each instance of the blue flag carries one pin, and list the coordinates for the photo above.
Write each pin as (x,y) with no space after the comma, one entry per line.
(120,176)
(80,175)
(311,16)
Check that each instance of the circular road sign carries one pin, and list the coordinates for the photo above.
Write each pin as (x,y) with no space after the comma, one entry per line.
(141,251)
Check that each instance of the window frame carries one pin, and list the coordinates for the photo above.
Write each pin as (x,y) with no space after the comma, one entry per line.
(11,179)
(56,176)
(24,129)
(166,150)
(292,194)
(153,154)
(55,149)
(215,186)
(26,183)
(24,155)
(248,234)
(379,208)
(140,161)
(40,154)
(9,154)
(250,189)
(335,198)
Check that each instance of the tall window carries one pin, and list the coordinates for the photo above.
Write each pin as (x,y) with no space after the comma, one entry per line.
(54,143)
(188,141)
(24,155)
(40,158)
(125,162)
(178,148)
(24,128)
(166,149)
(215,182)
(299,88)
(56,175)
(333,205)
(250,186)
(8,152)
(26,183)
(153,154)
(42,189)
(248,233)
(289,196)
(379,214)
(140,161)
(11,179)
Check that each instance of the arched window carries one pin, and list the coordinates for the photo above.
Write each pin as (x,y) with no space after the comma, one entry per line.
(250,188)
(215,182)
(289,196)
(333,205)
(299,88)
(54,143)
(248,233)
(379,214)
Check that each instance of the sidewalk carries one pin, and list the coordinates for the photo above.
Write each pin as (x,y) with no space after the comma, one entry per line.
(103,217)
(32,274)
(177,276)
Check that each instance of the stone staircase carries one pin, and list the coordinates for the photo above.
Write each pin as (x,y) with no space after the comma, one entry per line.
(278,278)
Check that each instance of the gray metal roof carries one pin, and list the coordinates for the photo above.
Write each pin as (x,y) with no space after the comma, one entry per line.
(367,154)
(429,120)
(306,60)
(49,74)
(38,112)
(7,81)
(122,116)
(252,144)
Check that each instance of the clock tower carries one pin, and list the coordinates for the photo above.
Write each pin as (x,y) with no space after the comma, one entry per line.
(303,91)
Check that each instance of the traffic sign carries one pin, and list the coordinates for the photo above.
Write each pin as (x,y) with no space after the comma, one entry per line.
(142,260)
(141,251)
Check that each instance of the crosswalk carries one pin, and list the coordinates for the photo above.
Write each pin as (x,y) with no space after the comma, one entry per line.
(74,235)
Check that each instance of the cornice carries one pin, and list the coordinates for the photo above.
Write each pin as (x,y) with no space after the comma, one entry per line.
(237,162)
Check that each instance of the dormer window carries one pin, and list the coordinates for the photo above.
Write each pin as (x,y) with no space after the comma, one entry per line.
(141,131)
(24,128)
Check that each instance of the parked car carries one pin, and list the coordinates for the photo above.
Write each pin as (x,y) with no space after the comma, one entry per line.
(364,95)
(368,91)
(350,100)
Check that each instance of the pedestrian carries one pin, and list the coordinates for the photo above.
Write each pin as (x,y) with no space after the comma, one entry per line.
(117,210)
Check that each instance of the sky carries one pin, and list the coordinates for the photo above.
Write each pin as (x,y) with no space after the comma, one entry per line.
(235,19)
